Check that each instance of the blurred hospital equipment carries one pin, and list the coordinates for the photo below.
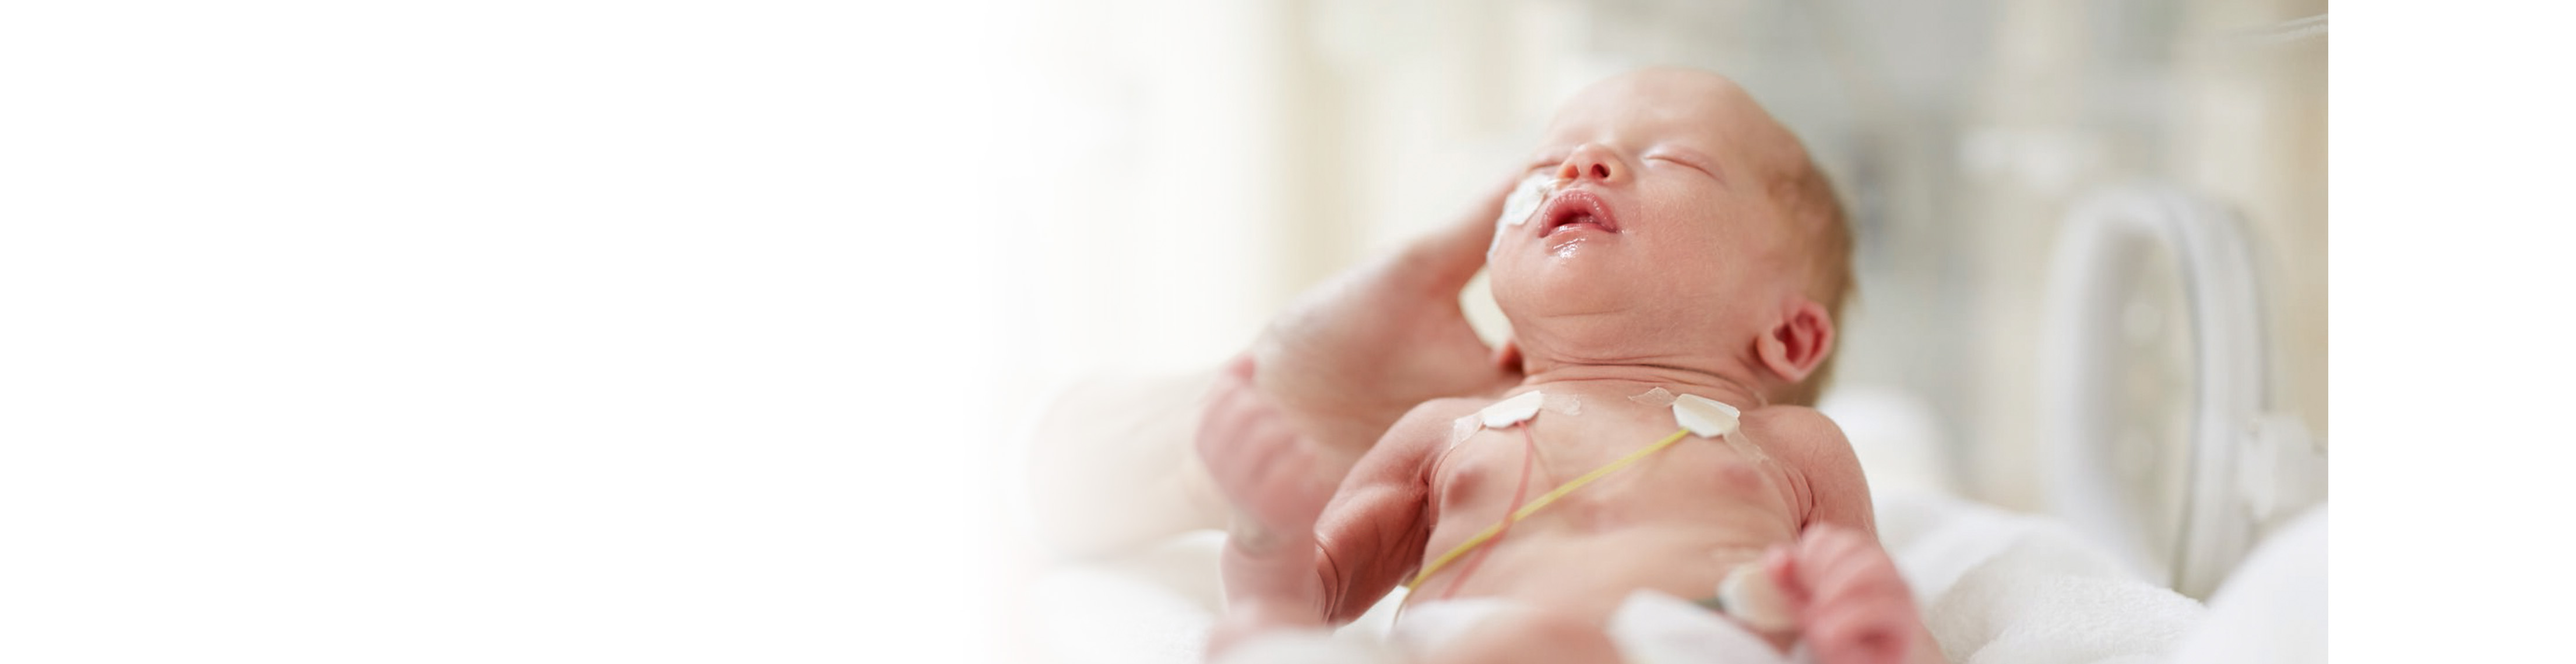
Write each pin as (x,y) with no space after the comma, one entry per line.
(2245,467)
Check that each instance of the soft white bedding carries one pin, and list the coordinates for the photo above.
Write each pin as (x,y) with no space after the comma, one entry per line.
(2273,608)
(1997,588)
(2000,588)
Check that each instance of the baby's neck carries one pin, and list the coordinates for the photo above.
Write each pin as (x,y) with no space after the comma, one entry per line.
(1647,376)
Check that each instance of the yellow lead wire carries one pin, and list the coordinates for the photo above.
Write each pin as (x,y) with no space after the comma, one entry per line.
(1542,501)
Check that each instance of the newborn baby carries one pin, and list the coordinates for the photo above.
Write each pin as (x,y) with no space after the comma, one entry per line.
(1672,242)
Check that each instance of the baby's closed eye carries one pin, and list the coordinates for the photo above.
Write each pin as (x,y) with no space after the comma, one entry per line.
(1684,162)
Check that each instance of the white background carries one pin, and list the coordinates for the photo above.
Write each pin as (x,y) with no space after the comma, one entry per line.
(504,331)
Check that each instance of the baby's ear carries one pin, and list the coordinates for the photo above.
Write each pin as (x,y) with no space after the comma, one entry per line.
(1507,357)
(1799,343)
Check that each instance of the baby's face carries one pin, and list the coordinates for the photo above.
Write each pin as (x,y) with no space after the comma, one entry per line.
(1658,233)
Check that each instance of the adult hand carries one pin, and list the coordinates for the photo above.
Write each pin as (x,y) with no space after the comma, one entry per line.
(1349,358)
(1271,476)
(1263,467)
(1119,468)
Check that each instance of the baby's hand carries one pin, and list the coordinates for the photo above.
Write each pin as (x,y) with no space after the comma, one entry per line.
(1852,606)
(1277,479)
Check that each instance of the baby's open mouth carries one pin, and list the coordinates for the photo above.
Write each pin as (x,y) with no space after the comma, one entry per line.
(1576,209)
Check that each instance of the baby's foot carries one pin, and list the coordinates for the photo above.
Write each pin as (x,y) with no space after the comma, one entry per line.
(1853,608)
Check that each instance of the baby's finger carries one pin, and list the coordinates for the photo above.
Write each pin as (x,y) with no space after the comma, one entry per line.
(1851,637)
(1857,579)
(1820,553)
(1887,621)
(1782,565)
(1827,541)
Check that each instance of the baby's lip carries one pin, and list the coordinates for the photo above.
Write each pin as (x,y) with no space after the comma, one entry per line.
(1576,205)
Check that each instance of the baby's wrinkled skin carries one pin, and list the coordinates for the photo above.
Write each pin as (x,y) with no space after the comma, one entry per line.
(1691,277)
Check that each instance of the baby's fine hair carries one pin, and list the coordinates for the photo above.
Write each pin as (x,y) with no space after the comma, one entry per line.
(1807,198)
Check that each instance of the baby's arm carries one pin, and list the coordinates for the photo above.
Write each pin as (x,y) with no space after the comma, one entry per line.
(1853,605)
(1366,539)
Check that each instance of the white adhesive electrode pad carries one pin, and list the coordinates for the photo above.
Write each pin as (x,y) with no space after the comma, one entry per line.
(1461,428)
(1512,411)
(1704,417)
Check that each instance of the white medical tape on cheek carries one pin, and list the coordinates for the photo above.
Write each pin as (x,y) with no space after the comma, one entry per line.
(1521,204)
(1525,198)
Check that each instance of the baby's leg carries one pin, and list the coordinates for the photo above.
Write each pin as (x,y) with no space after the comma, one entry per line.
(1528,636)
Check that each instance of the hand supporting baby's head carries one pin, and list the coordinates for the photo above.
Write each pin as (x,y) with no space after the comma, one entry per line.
(1685,229)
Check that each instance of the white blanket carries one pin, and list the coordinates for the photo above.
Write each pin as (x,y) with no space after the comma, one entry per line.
(2272,610)
(2002,588)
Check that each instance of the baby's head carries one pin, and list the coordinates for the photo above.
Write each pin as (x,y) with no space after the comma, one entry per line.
(1681,228)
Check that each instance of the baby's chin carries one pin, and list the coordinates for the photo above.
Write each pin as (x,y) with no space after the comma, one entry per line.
(1542,292)
(1616,299)
(1559,296)
(1583,282)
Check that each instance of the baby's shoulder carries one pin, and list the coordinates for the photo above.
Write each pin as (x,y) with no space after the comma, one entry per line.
(1823,468)
(1792,423)
(1796,430)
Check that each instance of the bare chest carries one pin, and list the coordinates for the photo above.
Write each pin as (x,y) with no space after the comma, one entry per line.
(1492,471)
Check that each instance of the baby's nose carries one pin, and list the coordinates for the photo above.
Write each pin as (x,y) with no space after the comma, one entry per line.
(1591,161)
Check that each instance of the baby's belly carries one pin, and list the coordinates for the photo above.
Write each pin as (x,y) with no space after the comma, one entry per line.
(1586,573)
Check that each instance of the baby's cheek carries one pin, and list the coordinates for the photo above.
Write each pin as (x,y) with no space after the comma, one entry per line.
(1502,275)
